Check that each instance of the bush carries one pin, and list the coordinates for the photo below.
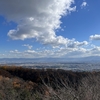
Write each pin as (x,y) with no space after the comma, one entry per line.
(33,84)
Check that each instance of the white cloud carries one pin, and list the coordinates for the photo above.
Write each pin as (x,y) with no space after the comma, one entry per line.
(94,50)
(14,51)
(77,53)
(75,44)
(84,4)
(62,52)
(28,46)
(37,19)
(95,37)
(2,55)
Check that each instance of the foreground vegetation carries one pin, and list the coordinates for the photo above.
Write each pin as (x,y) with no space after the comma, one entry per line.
(17,83)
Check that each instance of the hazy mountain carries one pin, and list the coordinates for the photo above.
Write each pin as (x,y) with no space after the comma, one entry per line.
(48,60)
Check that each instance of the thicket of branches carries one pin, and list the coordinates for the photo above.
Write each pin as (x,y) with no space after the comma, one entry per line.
(17,83)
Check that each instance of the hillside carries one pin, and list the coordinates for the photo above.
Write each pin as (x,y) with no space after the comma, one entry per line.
(17,83)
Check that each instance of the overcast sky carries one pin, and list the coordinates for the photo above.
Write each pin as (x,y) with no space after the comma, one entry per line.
(49,28)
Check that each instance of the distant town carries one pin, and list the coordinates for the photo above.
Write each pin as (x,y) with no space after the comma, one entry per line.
(53,64)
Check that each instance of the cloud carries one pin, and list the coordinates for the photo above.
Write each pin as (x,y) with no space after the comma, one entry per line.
(28,46)
(53,53)
(95,51)
(84,4)
(95,37)
(2,55)
(77,53)
(75,44)
(14,51)
(37,19)
(75,50)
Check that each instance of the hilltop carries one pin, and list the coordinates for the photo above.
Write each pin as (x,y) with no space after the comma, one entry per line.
(19,83)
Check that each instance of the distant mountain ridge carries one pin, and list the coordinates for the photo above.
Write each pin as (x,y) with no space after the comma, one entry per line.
(50,60)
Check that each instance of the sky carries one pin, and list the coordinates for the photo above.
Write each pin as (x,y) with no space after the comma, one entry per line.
(49,28)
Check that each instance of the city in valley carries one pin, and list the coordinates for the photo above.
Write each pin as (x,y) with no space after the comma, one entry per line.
(51,63)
